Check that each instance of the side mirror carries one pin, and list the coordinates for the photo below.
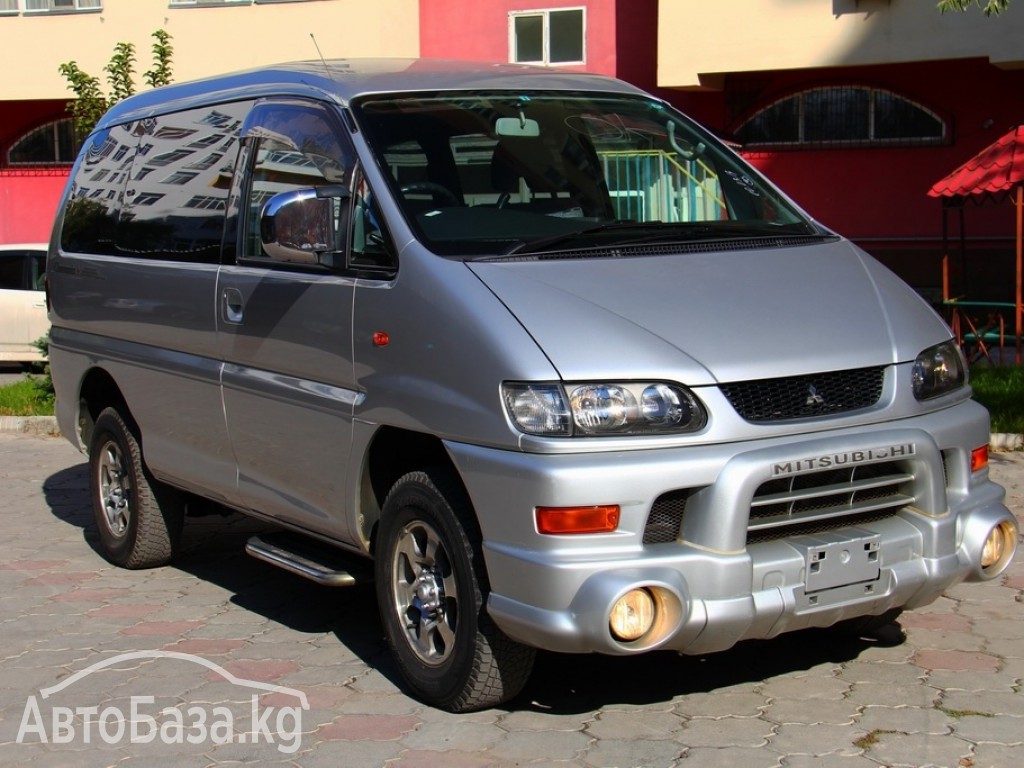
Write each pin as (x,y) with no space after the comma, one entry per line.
(302,226)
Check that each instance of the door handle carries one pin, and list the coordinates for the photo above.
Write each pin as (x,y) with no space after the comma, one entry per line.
(233,305)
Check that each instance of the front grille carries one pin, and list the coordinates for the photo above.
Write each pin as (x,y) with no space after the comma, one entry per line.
(814,527)
(814,502)
(805,397)
(834,498)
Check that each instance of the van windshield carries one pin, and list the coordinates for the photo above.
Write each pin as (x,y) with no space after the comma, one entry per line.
(492,174)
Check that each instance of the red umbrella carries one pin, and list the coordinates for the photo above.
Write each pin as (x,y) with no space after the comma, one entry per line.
(996,172)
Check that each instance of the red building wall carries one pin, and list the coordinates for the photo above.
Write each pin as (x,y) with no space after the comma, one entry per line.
(882,192)
(28,195)
(478,31)
(28,203)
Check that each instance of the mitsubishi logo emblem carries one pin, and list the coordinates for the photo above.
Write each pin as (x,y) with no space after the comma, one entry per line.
(813,398)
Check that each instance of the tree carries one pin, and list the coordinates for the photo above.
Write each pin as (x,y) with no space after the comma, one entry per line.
(160,74)
(90,103)
(991,7)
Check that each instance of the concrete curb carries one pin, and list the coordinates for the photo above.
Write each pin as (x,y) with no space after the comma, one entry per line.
(1006,441)
(30,425)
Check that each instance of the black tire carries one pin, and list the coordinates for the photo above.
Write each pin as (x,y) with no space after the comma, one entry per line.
(139,519)
(432,589)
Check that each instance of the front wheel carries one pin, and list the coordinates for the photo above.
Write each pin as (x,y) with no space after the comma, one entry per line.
(432,589)
(139,519)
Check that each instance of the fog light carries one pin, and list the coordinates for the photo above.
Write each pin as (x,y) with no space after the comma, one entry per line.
(632,615)
(998,547)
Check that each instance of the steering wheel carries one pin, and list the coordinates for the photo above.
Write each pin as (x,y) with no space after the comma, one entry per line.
(439,193)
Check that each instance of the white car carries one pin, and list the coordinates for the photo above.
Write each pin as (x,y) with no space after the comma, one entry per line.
(23,317)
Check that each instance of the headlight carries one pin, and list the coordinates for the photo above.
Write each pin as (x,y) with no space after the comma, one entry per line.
(537,409)
(614,408)
(938,370)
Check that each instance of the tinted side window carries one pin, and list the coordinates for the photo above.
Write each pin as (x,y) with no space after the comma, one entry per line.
(22,270)
(12,271)
(176,197)
(97,191)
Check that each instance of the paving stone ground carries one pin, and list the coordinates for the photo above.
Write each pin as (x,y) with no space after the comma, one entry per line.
(950,694)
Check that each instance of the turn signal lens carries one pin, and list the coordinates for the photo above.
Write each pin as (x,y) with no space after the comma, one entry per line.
(979,458)
(632,615)
(596,519)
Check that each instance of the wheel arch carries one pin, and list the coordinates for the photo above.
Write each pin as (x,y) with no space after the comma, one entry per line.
(97,392)
(392,453)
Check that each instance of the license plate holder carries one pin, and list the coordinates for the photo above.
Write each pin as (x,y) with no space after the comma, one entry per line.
(837,559)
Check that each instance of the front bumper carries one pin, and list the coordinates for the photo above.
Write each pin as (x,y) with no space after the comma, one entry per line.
(712,586)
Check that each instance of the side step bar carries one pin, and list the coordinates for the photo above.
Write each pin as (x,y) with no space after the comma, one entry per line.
(309,559)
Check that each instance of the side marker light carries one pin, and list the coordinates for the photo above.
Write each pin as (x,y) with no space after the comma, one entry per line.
(563,520)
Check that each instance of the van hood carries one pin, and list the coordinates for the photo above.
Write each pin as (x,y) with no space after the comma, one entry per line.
(715,317)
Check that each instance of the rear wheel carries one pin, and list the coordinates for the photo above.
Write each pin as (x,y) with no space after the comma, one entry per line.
(432,589)
(139,519)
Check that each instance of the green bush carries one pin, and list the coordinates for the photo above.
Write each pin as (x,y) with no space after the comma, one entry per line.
(33,395)
(1001,390)
(24,398)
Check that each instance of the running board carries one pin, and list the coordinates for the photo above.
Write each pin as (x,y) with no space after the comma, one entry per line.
(308,558)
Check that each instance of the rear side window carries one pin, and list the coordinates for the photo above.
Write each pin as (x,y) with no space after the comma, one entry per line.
(97,192)
(176,197)
(156,188)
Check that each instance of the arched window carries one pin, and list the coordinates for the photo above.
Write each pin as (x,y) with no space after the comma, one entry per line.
(842,115)
(49,144)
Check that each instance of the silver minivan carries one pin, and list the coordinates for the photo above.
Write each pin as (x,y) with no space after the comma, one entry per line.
(541,357)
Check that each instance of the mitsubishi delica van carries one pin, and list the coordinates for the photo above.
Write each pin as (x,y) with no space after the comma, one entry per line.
(529,349)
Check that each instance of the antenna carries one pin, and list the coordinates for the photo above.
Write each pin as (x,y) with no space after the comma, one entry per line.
(317,46)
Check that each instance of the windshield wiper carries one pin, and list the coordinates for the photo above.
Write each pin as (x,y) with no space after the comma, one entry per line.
(540,244)
(722,231)
(657,231)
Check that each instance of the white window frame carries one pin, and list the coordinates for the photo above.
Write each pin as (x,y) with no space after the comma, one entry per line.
(66,6)
(198,3)
(545,14)
(8,7)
